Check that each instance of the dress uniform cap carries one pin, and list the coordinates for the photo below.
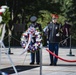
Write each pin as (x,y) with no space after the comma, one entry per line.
(33,18)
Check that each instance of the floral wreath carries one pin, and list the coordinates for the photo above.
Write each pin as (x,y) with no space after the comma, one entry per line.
(4,14)
(27,37)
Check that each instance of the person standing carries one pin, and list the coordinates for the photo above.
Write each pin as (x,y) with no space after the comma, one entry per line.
(66,32)
(53,30)
(37,26)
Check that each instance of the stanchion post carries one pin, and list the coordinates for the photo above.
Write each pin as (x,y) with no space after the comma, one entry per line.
(41,61)
(9,39)
(70,46)
(70,52)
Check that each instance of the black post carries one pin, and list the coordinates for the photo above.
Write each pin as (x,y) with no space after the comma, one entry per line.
(70,52)
(9,39)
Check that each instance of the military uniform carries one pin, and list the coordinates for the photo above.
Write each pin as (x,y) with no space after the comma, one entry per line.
(54,38)
(37,26)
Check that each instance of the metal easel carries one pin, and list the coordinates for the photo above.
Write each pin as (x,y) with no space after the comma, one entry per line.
(3,46)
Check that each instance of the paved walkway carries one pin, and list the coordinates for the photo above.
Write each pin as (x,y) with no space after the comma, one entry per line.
(22,63)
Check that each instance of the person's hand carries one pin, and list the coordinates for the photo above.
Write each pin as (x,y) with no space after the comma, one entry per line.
(57,34)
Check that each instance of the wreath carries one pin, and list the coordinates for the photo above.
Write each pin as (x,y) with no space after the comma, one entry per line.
(4,14)
(4,17)
(31,40)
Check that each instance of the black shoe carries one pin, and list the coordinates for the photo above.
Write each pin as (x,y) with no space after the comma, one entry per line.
(37,63)
(51,64)
(31,63)
(55,64)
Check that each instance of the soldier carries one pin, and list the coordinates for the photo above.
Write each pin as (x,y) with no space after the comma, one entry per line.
(36,25)
(53,30)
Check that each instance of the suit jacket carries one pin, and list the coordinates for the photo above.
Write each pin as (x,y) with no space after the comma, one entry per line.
(53,32)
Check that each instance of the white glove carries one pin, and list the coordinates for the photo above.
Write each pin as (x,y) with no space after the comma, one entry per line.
(57,34)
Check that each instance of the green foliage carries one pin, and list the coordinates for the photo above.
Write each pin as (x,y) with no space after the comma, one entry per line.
(66,9)
(44,18)
(61,19)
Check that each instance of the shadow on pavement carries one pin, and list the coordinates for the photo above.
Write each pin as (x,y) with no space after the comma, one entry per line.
(66,64)
(60,65)
(19,68)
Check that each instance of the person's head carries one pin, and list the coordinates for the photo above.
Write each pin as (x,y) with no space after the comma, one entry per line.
(54,18)
(33,19)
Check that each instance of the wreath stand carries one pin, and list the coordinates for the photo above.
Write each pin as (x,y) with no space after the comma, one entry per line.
(30,31)
(40,60)
(3,46)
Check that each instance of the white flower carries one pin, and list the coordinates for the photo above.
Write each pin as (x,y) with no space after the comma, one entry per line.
(25,34)
(0,19)
(2,10)
(38,39)
(4,7)
(38,36)
(37,33)
(35,44)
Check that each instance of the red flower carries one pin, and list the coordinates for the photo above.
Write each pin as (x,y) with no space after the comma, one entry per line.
(0,13)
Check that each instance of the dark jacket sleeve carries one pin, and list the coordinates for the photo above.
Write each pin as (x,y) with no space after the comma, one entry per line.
(40,27)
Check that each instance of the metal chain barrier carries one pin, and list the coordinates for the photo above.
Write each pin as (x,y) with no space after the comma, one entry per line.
(12,37)
(15,39)
(64,40)
(70,52)
(9,39)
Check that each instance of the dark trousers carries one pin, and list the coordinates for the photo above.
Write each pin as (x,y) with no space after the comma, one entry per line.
(36,56)
(54,48)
